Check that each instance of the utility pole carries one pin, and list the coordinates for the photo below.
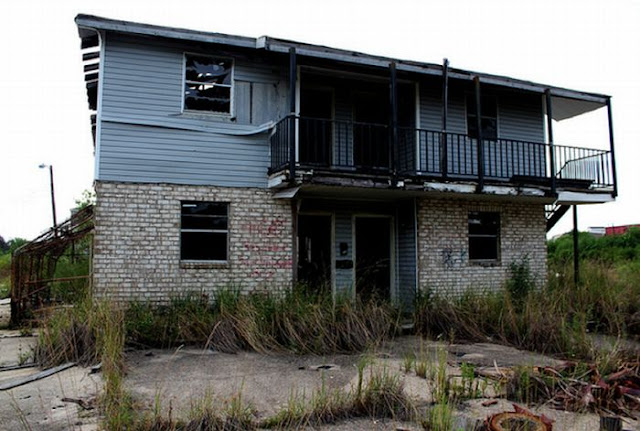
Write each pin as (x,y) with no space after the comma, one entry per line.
(53,196)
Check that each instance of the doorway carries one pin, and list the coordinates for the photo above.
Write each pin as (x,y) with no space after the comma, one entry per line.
(370,133)
(373,258)
(314,252)
(316,126)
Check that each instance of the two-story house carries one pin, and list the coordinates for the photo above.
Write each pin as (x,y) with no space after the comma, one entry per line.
(226,161)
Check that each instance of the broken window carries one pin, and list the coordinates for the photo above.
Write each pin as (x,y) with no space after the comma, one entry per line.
(488,118)
(208,84)
(484,236)
(204,231)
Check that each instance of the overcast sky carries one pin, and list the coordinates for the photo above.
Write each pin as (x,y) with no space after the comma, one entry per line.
(584,45)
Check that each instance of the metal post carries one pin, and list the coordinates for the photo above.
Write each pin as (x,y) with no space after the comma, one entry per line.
(393,96)
(293,75)
(53,198)
(611,147)
(445,109)
(576,250)
(476,81)
(552,152)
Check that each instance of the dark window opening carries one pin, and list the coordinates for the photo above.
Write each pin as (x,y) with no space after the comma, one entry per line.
(484,236)
(204,231)
(488,118)
(207,84)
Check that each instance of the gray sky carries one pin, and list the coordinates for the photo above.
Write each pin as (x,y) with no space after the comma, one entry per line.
(584,45)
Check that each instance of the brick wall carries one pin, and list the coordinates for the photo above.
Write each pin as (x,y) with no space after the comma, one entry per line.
(137,242)
(443,245)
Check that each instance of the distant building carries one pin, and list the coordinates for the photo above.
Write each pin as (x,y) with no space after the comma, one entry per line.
(619,230)
(597,231)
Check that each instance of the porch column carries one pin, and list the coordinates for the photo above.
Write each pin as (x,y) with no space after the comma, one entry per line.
(393,97)
(552,152)
(445,110)
(576,250)
(476,81)
(293,75)
(611,148)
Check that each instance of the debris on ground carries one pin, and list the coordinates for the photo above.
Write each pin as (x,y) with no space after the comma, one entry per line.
(519,419)
(578,387)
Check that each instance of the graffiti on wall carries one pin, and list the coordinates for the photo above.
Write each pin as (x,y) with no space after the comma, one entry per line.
(264,250)
(452,259)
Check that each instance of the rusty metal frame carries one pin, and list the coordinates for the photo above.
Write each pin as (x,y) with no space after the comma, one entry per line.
(33,265)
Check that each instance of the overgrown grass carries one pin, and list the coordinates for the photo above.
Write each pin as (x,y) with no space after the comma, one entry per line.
(556,318)
(89,333)
(295,322)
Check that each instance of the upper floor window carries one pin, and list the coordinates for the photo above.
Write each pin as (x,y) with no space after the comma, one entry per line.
(208,84)
(488,119)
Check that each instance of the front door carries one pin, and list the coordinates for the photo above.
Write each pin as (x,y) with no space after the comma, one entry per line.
(373,258)
(314,252)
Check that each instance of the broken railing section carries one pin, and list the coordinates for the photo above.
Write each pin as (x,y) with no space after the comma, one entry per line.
(33,266)
(356,147)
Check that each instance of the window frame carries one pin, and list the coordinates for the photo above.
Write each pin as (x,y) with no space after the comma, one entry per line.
(185,110)
(217,231)
(483,102)
(497,237)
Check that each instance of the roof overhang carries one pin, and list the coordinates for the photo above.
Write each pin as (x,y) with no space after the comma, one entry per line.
(566,103)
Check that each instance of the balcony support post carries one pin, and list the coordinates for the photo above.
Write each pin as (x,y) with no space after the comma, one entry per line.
(393,97)
(611,148)
(552,151)
(576,250)
(445,110)
(476,81)
(293,75)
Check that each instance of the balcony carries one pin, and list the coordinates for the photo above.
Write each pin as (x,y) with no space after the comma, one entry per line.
(342,148)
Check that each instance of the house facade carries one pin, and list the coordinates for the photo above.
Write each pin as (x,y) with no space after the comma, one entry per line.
(225,161)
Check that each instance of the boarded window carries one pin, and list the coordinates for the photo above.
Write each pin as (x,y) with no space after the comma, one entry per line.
(488,117)
(208,84)
(484,236)
(204,231)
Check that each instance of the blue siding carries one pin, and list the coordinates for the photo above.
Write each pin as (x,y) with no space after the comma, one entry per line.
(344,233)
(152,154)
(146,138)
(406,254)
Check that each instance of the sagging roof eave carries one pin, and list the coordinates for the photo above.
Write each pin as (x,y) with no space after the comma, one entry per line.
(316,51)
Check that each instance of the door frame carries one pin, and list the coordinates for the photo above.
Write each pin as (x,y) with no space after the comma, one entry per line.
(393,294)
(333,244)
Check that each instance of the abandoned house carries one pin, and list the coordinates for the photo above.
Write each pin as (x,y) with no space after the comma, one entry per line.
(227,161)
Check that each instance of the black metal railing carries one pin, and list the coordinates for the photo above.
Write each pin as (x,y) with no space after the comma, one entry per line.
(584,165)
(366,148)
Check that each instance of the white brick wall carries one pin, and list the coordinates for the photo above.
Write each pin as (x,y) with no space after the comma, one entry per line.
(137,242)
(443,246)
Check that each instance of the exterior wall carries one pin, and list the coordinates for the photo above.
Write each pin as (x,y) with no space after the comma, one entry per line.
(146,137)
(137,242)
(443,244)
